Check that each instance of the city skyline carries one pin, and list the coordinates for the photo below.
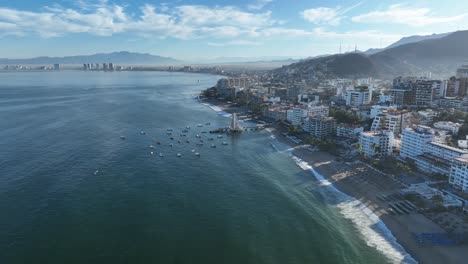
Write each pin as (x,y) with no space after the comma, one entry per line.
(191,30)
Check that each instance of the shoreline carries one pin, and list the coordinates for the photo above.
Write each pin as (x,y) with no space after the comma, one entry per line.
(361,183)
(359,186)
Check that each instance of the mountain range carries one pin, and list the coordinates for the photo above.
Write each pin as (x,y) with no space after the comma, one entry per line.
(441,55)
(114,57)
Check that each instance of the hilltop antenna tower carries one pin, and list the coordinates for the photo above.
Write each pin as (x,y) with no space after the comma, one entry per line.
(340,47)
(355,48)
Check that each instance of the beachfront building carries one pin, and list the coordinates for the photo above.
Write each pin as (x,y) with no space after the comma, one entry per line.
(459,173)
(275,113)
(349,130)
(320,127)
(296,116)
(376,143)
(360,95)
(414,140)
(448,126)
(438,158)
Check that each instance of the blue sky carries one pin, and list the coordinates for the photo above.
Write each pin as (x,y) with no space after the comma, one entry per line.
(206,29)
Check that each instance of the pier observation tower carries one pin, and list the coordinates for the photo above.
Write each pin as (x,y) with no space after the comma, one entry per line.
(234,127)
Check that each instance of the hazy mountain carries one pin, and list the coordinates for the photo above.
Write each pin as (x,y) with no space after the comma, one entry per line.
(412,39)
(438,55)
(407,40)
(123,57)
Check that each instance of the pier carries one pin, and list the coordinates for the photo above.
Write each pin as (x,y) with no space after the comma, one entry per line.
(235,128)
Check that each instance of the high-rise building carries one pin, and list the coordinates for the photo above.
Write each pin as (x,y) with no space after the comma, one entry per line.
(320,127)
(296,116)
(424,91)
(360,95)
(459,173)
(452,87)
(414,140)
(390,120)
(378,143)
(401,97)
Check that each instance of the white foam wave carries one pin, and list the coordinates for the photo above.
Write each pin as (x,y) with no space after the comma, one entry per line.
(374,230)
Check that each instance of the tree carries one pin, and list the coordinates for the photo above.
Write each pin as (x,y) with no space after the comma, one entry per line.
(437,198)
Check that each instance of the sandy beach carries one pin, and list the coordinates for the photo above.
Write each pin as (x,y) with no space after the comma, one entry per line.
(360,181)
(365,184)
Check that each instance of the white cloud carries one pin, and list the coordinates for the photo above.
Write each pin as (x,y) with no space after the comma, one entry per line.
(259,4)
(327,15)
(322,15)
(104,19)
(402,14)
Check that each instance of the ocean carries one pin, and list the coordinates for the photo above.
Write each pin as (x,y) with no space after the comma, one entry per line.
(73,191)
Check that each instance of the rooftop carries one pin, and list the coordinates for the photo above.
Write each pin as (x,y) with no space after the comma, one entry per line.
(461,151)
(462,160)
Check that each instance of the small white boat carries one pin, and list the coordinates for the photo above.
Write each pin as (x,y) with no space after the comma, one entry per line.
(193,150)
(160,154)
(199,125)
(225,143)
(179,155)
(96,172)
(151,146)
(197,154)
(213,145)
(187,127)
(142,132)
(152,152)
(220,136)
(198,136)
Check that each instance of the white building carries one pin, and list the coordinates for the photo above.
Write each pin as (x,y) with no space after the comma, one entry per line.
(320,127)
(378,143)
(358,96)
(348,131)
(459,173)
(463,143)
(296,116)
(427,116)
(448,126)
(391,120)
(414,141)
(438,158)
(380,109)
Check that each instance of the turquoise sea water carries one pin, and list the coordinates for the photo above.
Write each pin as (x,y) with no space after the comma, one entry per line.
(72,191)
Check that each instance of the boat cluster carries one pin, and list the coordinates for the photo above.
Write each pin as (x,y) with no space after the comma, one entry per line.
(185,135)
